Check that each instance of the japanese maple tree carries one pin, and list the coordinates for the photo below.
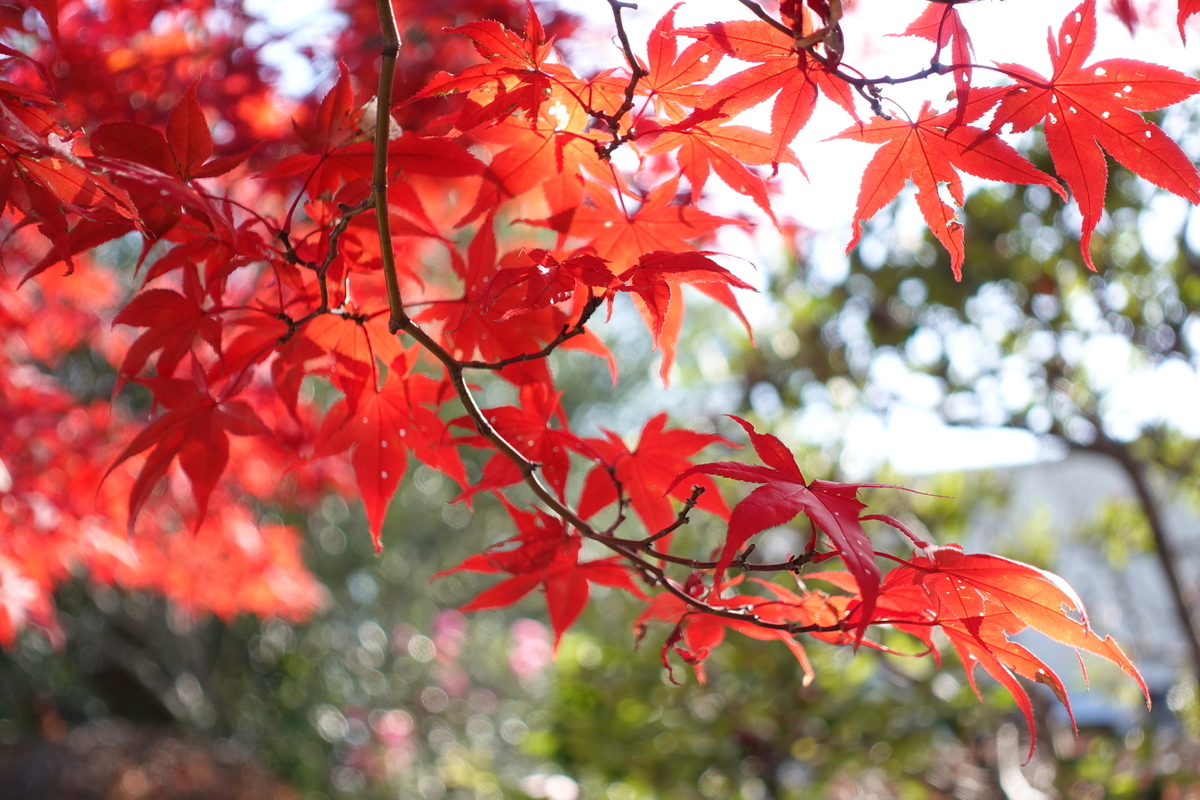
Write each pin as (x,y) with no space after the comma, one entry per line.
(322,288)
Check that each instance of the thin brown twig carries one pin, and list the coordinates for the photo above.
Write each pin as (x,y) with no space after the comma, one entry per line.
(792,564)
(322,269)
(636,73)
(379,177)
(681,519)
(622,500)
(567,333)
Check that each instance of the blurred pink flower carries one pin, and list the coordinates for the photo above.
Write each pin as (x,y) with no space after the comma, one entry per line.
(449,632)
(529,648)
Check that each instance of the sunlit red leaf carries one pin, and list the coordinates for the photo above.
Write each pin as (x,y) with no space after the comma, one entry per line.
(674,80)
(942,25)
(795,81)
(833,507)
(1088,107)
(187,135)
(930,152)
(195,429)
(1187,10)
(980,602)
(529,428)
(174,321)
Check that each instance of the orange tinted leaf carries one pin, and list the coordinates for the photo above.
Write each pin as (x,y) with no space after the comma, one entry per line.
(654,282)
(674,80)
(620,233)
(930,152)
(980,601)
(942,25)
(778,71)
(726,150)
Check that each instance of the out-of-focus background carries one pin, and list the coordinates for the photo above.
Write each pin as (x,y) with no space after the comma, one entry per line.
(1051,414)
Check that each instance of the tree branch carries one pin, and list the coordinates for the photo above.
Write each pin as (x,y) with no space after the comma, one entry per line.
(681,519)
(399,322)
(1167,558)
(379,177)
(636,73)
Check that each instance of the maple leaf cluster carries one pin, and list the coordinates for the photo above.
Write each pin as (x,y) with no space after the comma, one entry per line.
(393,254)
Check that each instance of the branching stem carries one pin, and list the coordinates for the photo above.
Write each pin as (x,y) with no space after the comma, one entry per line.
(637,553)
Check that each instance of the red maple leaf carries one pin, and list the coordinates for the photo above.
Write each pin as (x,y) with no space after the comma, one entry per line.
(726,150)
(336,150)
(1125,11)
(655,281)
(473,332)
(545,281)
(980,601)
(620,233)
(544,554)
(260,335)
(195,429)
(355,343)
(45,187)
(528,428)
(383,427)
(515,76)
(796,79)
(645,473)
(174,321)
(1187,10)
(184,151)
(942,25)
(527,158)
(674,80)
(623,237)
(697,633)
(1089,106)
(930,151)
(832,507)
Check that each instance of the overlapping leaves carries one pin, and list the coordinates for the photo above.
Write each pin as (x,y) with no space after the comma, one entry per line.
(515,217)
